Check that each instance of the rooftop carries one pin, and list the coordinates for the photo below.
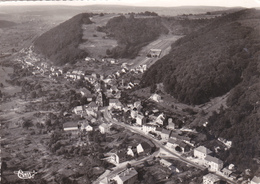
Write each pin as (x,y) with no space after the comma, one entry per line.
(203,149)
(127,174)
(211,177)
(256,179)
(213,159)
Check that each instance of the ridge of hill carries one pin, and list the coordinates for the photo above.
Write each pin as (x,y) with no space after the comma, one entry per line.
(222,56)
(60,44)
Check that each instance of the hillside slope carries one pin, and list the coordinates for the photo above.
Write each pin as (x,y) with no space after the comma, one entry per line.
(132,34)
(208,62)
(220,57)
(60,44)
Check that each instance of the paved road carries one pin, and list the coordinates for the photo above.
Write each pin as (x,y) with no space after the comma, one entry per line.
(108,117)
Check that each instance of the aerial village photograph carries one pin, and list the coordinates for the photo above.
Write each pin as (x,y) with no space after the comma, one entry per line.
(130,92)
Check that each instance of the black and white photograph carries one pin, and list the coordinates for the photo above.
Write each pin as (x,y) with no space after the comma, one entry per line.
(130,92)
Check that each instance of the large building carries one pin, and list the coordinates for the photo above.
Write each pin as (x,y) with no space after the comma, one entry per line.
(213,163)
(201,152)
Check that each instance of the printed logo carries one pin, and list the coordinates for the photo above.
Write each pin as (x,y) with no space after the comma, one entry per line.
(25,174)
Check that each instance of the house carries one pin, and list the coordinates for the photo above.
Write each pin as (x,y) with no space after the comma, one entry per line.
(84,91)
(138,105)
(104,128)
(155,97)
(160,119)
(139,119)
(71,127)
(213,163)
(226,172)
(139,148)
(86,126)
(165,134)
(148,128)
(211,179)
(165,163)
(92,105)
(115,103)
(171,125)
(171,143)
(130,152)
(174,143)
(255,180)
(201,152)
(143,147)
(128,176)
(104,181)
(133,113)
(78,110)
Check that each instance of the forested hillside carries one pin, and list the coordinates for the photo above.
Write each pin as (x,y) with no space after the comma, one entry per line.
(132,34)
(208,62)
(223,56)
(60,44)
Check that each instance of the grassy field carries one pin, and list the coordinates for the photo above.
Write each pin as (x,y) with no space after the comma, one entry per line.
(97,43)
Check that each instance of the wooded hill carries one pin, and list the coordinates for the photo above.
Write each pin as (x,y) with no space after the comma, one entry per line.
(132,34)
(60,44)
(220,57)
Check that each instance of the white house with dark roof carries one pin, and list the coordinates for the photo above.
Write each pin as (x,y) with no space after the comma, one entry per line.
(128,176)
(211,179)
(213,163)
(255,180)
(201,152)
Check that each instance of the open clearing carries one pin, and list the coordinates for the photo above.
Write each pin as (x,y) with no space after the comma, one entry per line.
(97,43)
(164,43)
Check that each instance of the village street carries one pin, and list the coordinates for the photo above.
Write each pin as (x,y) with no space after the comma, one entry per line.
(108,117)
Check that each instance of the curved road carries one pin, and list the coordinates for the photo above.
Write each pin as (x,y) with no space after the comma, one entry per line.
(108,117)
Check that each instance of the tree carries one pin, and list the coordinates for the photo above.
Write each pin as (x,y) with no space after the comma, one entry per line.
(33,94)
(178,148)
(153,88)
(27,123)
(128,165)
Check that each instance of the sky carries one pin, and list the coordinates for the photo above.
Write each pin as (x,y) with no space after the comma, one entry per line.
(162,3)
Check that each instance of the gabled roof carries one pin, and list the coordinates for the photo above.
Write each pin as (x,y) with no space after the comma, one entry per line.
(146,146)
(203,149)
(213,159)
(70,124)
(92,104)
(127,174)
(78,108)
(256,179)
